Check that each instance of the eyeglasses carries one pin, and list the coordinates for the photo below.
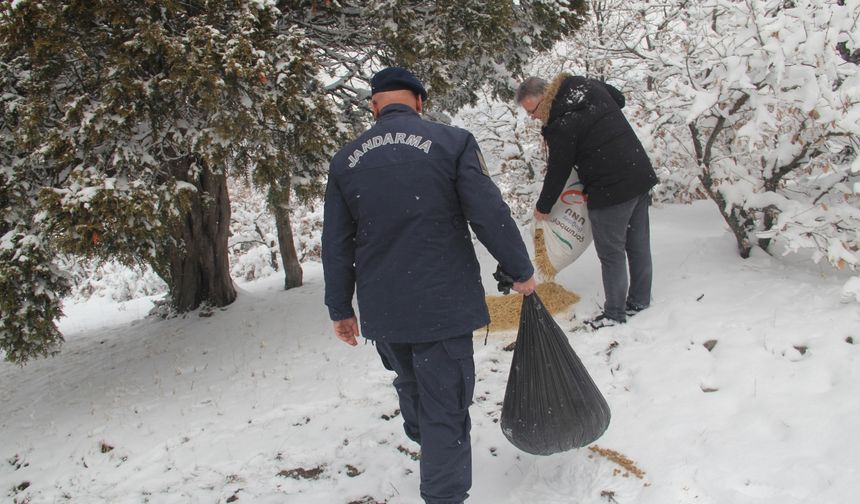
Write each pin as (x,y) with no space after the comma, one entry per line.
(531,112)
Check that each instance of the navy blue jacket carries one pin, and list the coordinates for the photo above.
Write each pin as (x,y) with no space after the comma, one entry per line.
(586,128)
(398,206)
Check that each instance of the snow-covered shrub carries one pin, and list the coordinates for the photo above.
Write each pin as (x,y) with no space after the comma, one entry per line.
(755,103)
(253,242)
(254,251)
(252,263)
(772,106)
(111,280)
(307,223)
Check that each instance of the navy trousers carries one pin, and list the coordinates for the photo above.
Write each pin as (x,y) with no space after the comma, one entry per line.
(622,238)
(435,384)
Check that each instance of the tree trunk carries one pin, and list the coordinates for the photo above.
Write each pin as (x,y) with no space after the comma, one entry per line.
(199,264)
(771,214)
(279,198)
(737,218)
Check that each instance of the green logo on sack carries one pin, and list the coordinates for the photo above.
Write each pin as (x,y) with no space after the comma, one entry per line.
(562,239)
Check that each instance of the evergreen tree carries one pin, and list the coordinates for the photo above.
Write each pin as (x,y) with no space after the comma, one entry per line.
(127,118)
(123,119)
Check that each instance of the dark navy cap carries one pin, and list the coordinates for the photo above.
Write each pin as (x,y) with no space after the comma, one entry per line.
(395,78)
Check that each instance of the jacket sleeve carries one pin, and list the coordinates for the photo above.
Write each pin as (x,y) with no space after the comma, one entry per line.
(488,214)
(338,253)
(561,145)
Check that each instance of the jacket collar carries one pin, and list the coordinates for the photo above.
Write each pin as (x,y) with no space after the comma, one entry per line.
(549,95)
(394,110)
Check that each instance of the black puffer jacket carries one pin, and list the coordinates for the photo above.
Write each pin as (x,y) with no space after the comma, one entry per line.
(585,128)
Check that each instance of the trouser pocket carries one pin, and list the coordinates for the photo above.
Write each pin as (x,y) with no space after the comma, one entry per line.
(460,350)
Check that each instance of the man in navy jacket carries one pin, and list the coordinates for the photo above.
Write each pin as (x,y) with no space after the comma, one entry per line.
(399,205)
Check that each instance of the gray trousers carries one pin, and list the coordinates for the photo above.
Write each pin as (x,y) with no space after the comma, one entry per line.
(622,238)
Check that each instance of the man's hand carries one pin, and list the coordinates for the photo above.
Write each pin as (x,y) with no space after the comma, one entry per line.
(526,287)
(540,215)
(346,330)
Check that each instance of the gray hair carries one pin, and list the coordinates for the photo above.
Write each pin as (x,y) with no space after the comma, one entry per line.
(533,86)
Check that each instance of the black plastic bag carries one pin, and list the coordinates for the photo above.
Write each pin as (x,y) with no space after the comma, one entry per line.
(551,403)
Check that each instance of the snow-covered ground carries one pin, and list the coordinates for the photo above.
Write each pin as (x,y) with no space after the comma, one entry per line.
(260,403)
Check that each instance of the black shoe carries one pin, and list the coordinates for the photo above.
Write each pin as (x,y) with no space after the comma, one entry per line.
(601,321)
(631,309)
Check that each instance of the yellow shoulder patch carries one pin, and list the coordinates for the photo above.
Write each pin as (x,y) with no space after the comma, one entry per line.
(483,163)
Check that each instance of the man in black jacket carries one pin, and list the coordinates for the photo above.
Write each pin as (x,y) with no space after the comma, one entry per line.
(584,129)
(399,204)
